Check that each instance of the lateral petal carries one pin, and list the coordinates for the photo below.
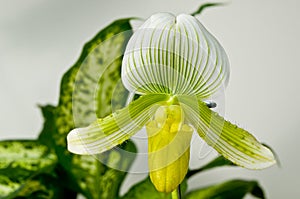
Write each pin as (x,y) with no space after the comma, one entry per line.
(234,143)
(114,129)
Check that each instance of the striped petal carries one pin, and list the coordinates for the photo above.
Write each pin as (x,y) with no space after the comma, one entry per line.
(234,143)
(175,55)
(114,129)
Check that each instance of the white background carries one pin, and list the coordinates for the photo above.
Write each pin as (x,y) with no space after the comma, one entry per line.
(41,39)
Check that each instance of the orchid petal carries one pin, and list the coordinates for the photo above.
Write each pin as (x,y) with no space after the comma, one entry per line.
(114,129)
(234,143)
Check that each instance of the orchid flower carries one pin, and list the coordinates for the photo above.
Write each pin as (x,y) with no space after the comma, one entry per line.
(174,64)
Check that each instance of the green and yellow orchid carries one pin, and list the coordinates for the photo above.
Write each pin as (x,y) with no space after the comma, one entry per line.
(174,64)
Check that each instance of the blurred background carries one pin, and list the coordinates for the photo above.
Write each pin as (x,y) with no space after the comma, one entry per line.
(41,39)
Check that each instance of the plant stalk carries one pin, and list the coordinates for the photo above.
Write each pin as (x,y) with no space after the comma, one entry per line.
(176,194)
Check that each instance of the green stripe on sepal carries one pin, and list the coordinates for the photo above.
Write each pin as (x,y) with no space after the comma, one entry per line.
(114,129)
(175,55)
(234,143)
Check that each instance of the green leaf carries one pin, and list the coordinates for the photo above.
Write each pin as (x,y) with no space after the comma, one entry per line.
(98,67)
(204,6)
(217,162)
(87,90)
(233,189)
(49,127)
(45,187)
(94,82)
(20,161)
(145,189)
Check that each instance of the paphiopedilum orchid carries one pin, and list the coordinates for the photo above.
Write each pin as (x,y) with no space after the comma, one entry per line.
(174,64)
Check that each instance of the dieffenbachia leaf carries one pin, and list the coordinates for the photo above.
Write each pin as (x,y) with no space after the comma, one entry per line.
(145,189)
(87,90)
(49,127)
(233,189)
(217,162)
(45,186)
(20,162)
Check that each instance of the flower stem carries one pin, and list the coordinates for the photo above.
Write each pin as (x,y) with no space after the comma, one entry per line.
(176,194)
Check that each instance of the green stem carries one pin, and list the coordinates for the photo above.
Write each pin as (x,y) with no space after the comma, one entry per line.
(176,194)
